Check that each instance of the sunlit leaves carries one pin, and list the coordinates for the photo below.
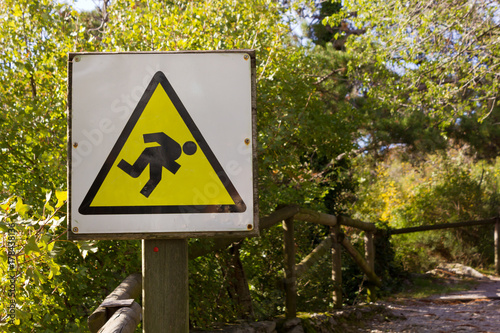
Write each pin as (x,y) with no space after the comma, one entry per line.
(86,246)
(21,208)
(32,96)
(442,188)
(61,196)
(31,246)
(28,244)
(432,58)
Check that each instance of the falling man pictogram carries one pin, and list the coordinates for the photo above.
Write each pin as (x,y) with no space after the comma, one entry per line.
(164,155)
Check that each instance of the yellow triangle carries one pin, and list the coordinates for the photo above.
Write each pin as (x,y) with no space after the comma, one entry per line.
(195,183)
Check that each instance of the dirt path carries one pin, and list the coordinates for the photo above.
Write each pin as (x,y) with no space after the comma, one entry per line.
(476,310)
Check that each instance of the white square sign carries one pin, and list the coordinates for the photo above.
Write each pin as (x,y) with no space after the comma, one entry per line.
(162,145)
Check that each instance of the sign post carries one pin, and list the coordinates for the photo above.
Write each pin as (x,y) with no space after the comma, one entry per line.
(165,289)
(162,147)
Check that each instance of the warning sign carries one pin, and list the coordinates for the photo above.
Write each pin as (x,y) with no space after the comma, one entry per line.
(162,144)
(161,164)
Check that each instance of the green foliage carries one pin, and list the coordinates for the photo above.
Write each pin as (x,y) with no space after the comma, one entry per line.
(54,283)
(29,268)
(320,33)
(443,62)
(315,287)
(425,72)
(316,283)
(36,36)
(388,264)
(208,285)
(440,189)
(33,97)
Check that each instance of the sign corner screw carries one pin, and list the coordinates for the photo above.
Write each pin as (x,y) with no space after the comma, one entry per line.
(75,229)
(246,57)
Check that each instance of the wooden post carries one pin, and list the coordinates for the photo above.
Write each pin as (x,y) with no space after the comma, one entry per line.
(336,267)
(370,261)
(165,293)
(290,275)
(497,246)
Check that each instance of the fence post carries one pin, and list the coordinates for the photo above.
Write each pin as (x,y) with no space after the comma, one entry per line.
(370,260)
(336,267)
(290,274)
(497,245)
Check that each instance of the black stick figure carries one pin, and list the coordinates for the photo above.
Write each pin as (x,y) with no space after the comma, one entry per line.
(164,155)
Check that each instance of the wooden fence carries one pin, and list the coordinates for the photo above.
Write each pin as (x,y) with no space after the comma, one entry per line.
(120,313)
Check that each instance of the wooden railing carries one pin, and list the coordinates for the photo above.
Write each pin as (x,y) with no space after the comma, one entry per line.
(119,311)
(336,240)
(490,221)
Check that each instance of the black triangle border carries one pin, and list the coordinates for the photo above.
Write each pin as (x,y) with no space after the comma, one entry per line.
(160,78)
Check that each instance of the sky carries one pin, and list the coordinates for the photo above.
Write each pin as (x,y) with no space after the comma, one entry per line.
(82,5)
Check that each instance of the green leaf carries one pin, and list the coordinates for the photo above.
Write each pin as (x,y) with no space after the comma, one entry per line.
(55,269)
(21,208)
(49,208)
(31,246)
(50,246)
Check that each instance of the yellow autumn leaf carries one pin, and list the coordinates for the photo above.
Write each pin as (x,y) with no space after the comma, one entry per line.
(61,196)
(4,206)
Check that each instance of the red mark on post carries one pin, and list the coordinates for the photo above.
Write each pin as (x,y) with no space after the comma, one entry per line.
(155,249)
